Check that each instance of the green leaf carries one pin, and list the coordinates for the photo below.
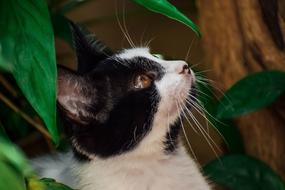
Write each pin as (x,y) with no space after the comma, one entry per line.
(34,184)
(27,47)
(240,172)
(10,179)
(51,184)
(45,184)
(12,155)
(231,136)
(4,67)
(225,128)
(251,93)
(169,10)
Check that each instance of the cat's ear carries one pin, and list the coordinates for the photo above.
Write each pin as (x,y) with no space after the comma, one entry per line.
(74,96)
(89,49)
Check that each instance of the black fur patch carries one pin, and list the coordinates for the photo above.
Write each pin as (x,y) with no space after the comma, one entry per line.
(172,137)
(128,123)
(80,157)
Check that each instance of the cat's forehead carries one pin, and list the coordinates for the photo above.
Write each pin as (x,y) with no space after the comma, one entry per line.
(143,52)
(134,60)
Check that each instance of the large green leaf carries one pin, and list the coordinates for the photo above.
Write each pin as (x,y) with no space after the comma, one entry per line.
(240,172)
(169,10)
(251,93)
(12,155)
(225,128)
(27,50)
(10,179)
(13,165)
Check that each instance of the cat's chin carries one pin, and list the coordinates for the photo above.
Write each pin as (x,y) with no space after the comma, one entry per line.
(174,98)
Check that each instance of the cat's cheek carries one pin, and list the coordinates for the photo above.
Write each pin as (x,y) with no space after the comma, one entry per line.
(174,87)
(173,90)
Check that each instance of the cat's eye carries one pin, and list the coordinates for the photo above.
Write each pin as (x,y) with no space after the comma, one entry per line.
(142,81)
(159,56)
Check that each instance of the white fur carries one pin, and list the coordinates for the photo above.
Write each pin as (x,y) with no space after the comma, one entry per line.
(134,172)
(156,171)
(147,167)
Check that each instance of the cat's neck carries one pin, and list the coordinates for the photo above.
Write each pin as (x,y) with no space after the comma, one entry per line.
(162,141)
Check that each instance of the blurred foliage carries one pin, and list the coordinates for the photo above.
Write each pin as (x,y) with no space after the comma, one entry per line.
(27,53)
(238,171)
(241,172)
(250,94)
(28,50)
(13,165)
(167,9)
(45,184)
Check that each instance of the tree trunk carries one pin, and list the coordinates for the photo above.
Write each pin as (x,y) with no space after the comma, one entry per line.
(242,37)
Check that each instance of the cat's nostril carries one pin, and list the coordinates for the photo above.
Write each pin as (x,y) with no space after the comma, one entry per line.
(185,69)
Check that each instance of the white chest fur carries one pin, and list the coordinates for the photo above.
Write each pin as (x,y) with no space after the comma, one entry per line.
(146,167)
(172,172)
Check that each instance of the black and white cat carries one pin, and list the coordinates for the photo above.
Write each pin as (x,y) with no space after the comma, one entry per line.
(122,112)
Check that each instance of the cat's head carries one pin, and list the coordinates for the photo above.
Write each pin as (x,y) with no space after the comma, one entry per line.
(122,103)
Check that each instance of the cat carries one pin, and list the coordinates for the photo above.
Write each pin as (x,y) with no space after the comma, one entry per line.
(122,111)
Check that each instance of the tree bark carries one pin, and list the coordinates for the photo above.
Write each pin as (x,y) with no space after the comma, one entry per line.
(242,37)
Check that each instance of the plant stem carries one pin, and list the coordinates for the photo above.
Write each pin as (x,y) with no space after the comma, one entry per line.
(8,86)
(26,117)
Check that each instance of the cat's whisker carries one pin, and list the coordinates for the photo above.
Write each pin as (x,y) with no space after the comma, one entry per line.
(148,42)
(185,116)
(212,123)
(206,136)
(142,37)
(184,133)
(202,108)
(210,82)
(200,93)
(204,79)
(193,66)
(200,72)
(188,54)
(125,25)
(195,107)
(199,108)
(204,133)
(201,111)
(205,83)
(121,26)
(199,80)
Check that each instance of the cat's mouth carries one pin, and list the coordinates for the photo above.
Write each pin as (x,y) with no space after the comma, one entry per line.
(186,89)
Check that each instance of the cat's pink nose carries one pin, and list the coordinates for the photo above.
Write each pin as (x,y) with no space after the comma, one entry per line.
(184,69)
